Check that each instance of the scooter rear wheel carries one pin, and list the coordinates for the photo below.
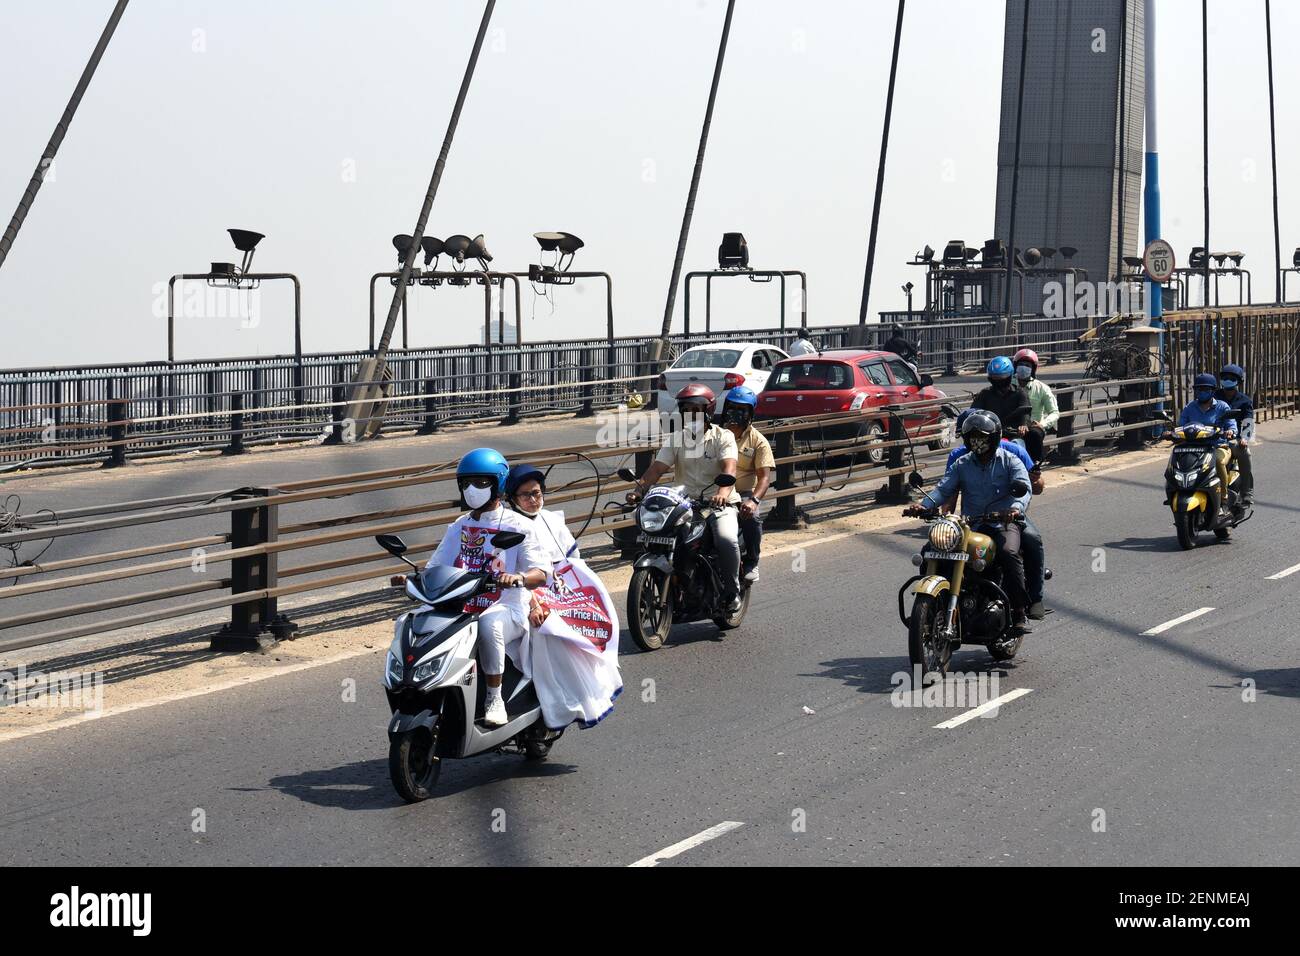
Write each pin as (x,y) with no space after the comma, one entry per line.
(412,766)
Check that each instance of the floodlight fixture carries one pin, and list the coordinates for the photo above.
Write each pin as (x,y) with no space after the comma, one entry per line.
(1219,259)
(1069,252)
(1033,256)
(1196,259)
(733,253)
(907,288)
(402,243)
(1295,258)
(1133,262)
(1236,258)
(245,241)
(458,247)
(432,249)
(478,249)
(1047,252)
(927,254)
(994,254)
(954,253)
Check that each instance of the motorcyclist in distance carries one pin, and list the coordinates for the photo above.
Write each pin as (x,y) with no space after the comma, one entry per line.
(696,456)
(1231,379)
(990,479)
(754,468)
(1205,409)
(1004,398)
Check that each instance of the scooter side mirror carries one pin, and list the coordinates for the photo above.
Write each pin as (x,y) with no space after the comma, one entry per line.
(1019,488)
(392,544)
(724,481)
(505,540)
(627,474)
(915,479)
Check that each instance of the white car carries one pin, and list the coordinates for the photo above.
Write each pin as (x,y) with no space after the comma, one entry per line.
(721,366)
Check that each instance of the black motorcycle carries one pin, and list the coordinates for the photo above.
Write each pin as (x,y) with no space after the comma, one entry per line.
(676,576)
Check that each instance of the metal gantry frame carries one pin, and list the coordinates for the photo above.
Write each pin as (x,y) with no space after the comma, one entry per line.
(245,282)
(484,277)
(754,275)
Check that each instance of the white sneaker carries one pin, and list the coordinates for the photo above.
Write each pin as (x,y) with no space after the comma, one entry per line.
(752,575)
(494,710)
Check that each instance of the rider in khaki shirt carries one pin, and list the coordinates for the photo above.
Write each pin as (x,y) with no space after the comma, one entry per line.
(696,457)
(754,468)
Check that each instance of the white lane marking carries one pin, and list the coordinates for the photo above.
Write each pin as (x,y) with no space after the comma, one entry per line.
(984,708)
(677,849)
(1281,574)
(1161,628)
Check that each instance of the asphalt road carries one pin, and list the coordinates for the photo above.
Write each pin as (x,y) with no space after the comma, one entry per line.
(1122,748)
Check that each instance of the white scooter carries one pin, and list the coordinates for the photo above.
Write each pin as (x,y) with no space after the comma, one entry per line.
(431,677)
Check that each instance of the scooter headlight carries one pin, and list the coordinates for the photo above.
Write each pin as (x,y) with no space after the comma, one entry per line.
(1186,479)
(430,669)
(393,669)
(945,535)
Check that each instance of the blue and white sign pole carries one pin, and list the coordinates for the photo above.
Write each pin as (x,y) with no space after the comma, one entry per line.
(1151,187)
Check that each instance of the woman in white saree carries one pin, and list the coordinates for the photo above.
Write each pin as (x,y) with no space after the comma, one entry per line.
(571,650)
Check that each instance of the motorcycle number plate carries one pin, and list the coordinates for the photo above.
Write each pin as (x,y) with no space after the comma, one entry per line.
(656,539)
(945,555)
(1185,448)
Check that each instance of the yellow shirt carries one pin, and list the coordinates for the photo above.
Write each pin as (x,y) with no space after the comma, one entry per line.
(754,452)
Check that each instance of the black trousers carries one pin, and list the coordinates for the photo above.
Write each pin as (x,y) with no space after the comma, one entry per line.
(1034,443)
(1007,539)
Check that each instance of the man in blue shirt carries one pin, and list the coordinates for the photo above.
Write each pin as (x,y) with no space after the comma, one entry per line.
(1230,381)
(1205,409)
(1031,538)
(990,479)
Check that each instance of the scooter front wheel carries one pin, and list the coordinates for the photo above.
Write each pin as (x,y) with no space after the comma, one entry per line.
(413,766)
(1185,528)
(649,608)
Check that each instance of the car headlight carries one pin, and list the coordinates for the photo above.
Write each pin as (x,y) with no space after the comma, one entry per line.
(653,520)
(428,670)
(393,669)
(945,535)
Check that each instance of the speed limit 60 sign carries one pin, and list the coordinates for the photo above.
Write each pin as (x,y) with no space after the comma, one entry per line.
(1158,261)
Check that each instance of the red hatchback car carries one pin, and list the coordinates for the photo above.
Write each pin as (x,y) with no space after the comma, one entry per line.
(841,380)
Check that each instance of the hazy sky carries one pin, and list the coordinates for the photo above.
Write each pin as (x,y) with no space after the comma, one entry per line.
(318,123)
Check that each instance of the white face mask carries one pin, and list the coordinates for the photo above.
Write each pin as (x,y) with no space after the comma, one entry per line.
(477,497)
(526,507)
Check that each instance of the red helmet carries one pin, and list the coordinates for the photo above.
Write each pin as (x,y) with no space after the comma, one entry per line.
(695,392)
(1026,355)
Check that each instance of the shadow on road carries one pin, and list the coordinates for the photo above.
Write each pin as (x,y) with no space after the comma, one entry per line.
(1163,544)
(364,784)
(1278,681)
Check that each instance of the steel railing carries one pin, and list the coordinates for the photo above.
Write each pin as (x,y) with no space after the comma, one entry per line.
(243,550)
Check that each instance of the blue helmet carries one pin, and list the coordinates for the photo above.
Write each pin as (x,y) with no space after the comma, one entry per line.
(1204,384)
(741,395)
(1000,367)
(1234,372)
(518,474)
(486,462)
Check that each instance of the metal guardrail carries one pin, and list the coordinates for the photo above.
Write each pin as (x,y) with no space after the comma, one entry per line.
(246,568)
(97,413)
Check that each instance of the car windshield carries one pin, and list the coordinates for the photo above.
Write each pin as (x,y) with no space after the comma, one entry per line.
(801,376)
(708,358)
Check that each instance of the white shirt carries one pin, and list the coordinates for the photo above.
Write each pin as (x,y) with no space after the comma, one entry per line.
(554,537)
(800,347)
(467,544)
